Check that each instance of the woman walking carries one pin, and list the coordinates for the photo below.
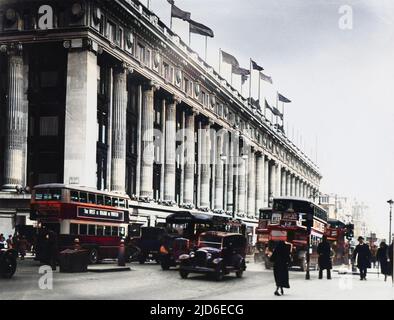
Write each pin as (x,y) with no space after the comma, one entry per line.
(281,259)
(383,258)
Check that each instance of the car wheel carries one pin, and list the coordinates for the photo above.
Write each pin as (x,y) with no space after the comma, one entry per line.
(9,269)
(219,273)
(183,274)
(93,256)
(239,273)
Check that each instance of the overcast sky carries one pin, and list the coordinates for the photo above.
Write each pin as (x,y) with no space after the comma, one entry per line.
(341,82)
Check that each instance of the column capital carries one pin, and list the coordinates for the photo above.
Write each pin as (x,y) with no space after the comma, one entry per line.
(123,67)
(82,44)
(12,48)
(151,85)
(173,99)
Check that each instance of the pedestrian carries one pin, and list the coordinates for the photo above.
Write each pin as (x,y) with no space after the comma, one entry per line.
(52,249)
(281,259)
(383,258)
(324,260)
(3,243)
(363,256)
(22,247)
(390,250)
(9,242)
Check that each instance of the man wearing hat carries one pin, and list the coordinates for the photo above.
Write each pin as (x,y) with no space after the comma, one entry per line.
(363,256)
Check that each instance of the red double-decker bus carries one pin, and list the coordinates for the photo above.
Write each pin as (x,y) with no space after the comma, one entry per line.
(98,219)
(336,235)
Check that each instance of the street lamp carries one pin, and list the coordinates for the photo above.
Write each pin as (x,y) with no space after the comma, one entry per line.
(390,202)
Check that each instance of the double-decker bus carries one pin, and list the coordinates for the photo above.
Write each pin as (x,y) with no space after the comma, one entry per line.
(336,236)
(262,233)
(98,219)
(289,222)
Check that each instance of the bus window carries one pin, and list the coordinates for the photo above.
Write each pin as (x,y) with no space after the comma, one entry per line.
(122,203)
(115,202)
(115,231)
(100,199)
(100,230)
(83,229)
(74,196)
(56,194)
(108,201)
(107,231)
(92,198)
(83,197)
(122,232)
(73,228)
(92,230)
(39,194)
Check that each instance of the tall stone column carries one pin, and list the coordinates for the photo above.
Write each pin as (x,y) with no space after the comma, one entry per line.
(296,185)
(259,182)
(118,166)
(230,175)
(205,167)
(147,152)
(288,184)
(80,149)
(170,151)
(251,183)
(241,185)
(219,171)
(16,117)
(293,185)
(266,182)
(272,180)
(189,159)
(278,180)
(283,183)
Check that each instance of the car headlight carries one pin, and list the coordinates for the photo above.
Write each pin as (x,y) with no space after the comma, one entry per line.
(192,254)
(209,256)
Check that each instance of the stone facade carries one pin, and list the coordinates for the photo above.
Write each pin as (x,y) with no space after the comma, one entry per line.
(142,114)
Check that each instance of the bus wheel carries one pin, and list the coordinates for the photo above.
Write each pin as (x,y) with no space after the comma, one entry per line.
(93,256)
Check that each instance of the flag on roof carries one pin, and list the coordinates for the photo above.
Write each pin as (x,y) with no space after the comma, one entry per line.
(265,77)
(196,27)
(228,58)
(283,98)
(255,66)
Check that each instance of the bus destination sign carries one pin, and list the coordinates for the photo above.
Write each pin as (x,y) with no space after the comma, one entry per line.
(100,214)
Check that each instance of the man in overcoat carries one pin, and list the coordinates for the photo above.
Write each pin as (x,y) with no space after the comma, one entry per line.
(324,252)
(363,256)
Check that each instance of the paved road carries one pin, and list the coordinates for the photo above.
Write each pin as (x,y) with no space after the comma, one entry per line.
(150,282)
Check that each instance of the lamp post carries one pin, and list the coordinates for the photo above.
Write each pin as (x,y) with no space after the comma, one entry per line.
(390,202)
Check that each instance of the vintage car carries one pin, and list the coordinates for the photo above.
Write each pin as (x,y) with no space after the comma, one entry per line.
(217,254)
(149,244)
(171,249)
(7,263)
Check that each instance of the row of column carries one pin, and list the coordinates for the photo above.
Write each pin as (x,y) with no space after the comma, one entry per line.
(241,183)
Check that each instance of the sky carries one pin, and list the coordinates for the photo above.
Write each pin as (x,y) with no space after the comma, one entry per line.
(340,81)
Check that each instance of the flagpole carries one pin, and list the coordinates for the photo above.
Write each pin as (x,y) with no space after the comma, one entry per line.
(259,88)
(250,81)
(190,37)
(220,61)
(206,46)
(171,23)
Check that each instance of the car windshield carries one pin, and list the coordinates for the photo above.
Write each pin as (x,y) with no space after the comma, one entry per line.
(210,241)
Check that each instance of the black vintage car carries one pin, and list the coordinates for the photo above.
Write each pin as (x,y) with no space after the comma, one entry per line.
(217,254)
(7,263)
(149,244)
